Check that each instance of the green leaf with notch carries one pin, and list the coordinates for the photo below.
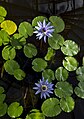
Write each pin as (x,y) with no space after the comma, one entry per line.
(80,73)
(3,109)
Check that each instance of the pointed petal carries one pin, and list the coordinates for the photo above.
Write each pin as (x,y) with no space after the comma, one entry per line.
(37,92)
(37,27)
(45,39)
(44,23)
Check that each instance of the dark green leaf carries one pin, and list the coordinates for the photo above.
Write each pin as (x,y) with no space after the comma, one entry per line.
(3,109)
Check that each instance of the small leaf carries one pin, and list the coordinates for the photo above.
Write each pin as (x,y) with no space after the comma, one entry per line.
(48,74)
(36,115)
(25,29)
(39,64)
(15,110)
(70,48)
(3,11)
(30,50)
(70,63)
(2,19)
(8,52)
(28,117)
(67,104)
(80,73)
(37,19)
(3,109)
(56,41)
(19,74)
(58,23)
(61,74)
(50,107)
(9,26)
(63,89)
(2,96)
(79,91)
(10,66)
(49,54)
(1,90)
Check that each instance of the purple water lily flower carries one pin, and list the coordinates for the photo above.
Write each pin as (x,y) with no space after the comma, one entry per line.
(43,30)
(44,87)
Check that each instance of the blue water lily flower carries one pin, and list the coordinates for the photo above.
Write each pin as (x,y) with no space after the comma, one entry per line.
(44,87)
(44,30)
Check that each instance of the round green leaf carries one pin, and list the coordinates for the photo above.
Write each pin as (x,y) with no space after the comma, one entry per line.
(3,109)
(79,91)
(39,64)
(49,54)
(4,37)
(63,89)
(70,63)
(50,107)
(3,11)
(1,90)
(19,74)
(30,50)
(48,74)
(58,23)
(18,41)
(80,73)
(10,66)
(2,96)
(67,104)
(36,115)
(70,48)
(61,74)
(8,52)
(56,41)
(25,29)
(2,19)
(37,19)
(9,26)
(15,110)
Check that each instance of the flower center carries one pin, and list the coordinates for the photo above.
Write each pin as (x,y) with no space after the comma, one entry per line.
(44,88)
(43,30)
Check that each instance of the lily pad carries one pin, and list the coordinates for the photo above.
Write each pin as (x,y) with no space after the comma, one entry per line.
(63,89)
(58,23)
(80,73)
(39,64)
(4,37)
(70,48)
(17,41)
(50,107)
(2,96)
(15,110)
(79,91)
(30,50)
(49,54)
(19,74)
(10,66)
(25,29)
(67,104)
(3,14)
(9,26)
(48,74)
(8,52)
(56,41)
(61,74)
(3,109)
(70,63)
(37,19)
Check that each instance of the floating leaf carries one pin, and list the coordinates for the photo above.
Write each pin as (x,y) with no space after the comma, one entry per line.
(1,90)
(15,110)
(48,74)
(61,74)
(49,54)
(56,41)
(67,104)
(58,23)
(3,109)
(28,117)
(37,19)
(2,96)
(9,26)
(70,63)
(30,50)
(25,29)
(50,107)
(2,19)
(4,37)
(8,52)
(80,73)
(70,48)
(19,74)
(18,41)
(39,64)
(3,14)
(10,66)
(79,91)
(63,89)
